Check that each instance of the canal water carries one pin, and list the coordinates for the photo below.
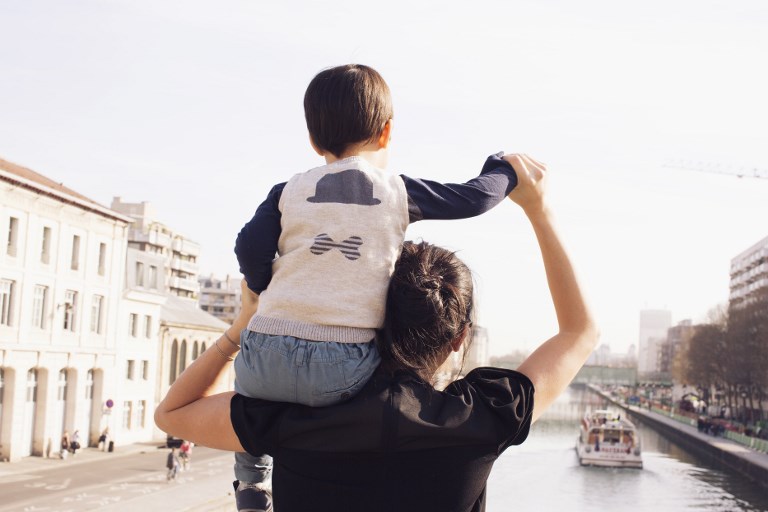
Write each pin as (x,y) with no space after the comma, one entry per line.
(544,474)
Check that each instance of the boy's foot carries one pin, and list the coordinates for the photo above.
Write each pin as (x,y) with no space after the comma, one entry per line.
(251,497)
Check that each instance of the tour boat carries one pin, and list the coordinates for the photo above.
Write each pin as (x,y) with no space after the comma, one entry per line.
(609,440)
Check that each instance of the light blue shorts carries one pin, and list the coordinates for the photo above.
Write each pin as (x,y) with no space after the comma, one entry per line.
(314,373)
(288,369)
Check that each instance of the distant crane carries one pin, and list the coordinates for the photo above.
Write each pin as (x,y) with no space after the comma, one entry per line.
(739,172)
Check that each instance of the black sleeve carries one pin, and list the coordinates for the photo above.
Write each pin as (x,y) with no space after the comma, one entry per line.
(432,200)
(507,395)
(256,243)
(256,423)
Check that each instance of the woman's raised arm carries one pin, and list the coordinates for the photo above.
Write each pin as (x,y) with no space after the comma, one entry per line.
(555,363)
(194,408)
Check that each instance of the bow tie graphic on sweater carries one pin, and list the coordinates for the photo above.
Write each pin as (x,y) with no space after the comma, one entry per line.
(348,247)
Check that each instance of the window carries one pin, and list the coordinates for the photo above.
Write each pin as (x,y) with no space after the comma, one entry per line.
(89,385)
(133,326)
(39,303)
(127,412)
(141,412)
(70,310)
(45,249)
(153,277)
(147,326)
(61,392)
(96,313)
(102,259)
(75,252)
(13,236)
(129,367)
(139,273)
(145,370)
(32,385)
(6,301)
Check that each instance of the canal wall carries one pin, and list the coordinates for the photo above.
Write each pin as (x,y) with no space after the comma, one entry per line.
(750,463)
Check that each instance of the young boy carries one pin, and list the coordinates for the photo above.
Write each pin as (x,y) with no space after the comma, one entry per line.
(337,232)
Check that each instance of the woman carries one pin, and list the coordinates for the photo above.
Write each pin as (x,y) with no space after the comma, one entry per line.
(400,444)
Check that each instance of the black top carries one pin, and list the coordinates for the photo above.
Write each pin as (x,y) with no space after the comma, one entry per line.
(399,445)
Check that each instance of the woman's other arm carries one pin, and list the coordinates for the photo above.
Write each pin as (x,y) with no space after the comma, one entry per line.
(554,364)
(194,409)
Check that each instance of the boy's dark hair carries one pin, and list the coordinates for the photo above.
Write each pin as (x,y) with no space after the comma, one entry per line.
(346,105)
(429,305)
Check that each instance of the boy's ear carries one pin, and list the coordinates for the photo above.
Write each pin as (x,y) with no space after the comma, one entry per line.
(386,135)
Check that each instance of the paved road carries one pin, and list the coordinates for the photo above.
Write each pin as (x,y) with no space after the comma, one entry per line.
(126,483)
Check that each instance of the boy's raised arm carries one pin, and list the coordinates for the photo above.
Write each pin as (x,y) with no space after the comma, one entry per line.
(432,200)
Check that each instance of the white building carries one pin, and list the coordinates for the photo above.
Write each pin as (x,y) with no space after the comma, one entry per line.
(654,324)
(62,265)
(749,272)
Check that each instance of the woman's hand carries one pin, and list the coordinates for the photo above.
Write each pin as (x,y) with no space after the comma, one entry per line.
(531,182)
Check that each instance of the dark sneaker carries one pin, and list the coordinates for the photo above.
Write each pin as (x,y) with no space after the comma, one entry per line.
(251,497)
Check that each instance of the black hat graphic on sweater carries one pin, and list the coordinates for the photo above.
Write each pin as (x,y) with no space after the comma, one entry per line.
(351,186)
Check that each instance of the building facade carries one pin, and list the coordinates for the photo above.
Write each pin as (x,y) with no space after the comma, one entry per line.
(654,324)
(180,254)
(749,273)
(677,338)
(220,297)
(60,311)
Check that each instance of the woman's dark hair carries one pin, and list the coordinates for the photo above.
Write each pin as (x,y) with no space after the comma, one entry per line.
(429,305)
(346,105)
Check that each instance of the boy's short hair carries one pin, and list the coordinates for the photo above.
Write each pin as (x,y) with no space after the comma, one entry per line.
(346,105)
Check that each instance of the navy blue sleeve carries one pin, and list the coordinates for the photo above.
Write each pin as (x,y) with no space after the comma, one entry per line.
(444,201)
(256,244)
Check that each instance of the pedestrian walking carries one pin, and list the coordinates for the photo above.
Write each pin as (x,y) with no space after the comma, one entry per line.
(75,444)
(185,454)
(172,464)
(104,440)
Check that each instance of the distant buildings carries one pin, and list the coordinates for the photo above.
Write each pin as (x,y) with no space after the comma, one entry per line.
(179,254)
(677,338)
(749,273)
(220,297)
(98,315)
(653,331)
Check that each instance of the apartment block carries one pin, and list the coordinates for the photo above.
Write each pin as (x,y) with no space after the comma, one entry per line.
(146,234)
(749,273)
(220,297)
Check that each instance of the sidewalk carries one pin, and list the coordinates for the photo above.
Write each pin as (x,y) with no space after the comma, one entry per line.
(34,464)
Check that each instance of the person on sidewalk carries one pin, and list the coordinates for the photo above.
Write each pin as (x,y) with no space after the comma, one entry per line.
(75,444)
(400,444)
(172,465)
(104,440)
(64,445)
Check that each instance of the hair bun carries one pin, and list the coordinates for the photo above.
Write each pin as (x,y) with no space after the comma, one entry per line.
(432,282)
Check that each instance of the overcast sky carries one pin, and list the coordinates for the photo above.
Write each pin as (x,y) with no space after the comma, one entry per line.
(196,107)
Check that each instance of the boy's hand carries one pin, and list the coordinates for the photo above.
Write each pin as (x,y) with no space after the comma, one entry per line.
(531,182)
